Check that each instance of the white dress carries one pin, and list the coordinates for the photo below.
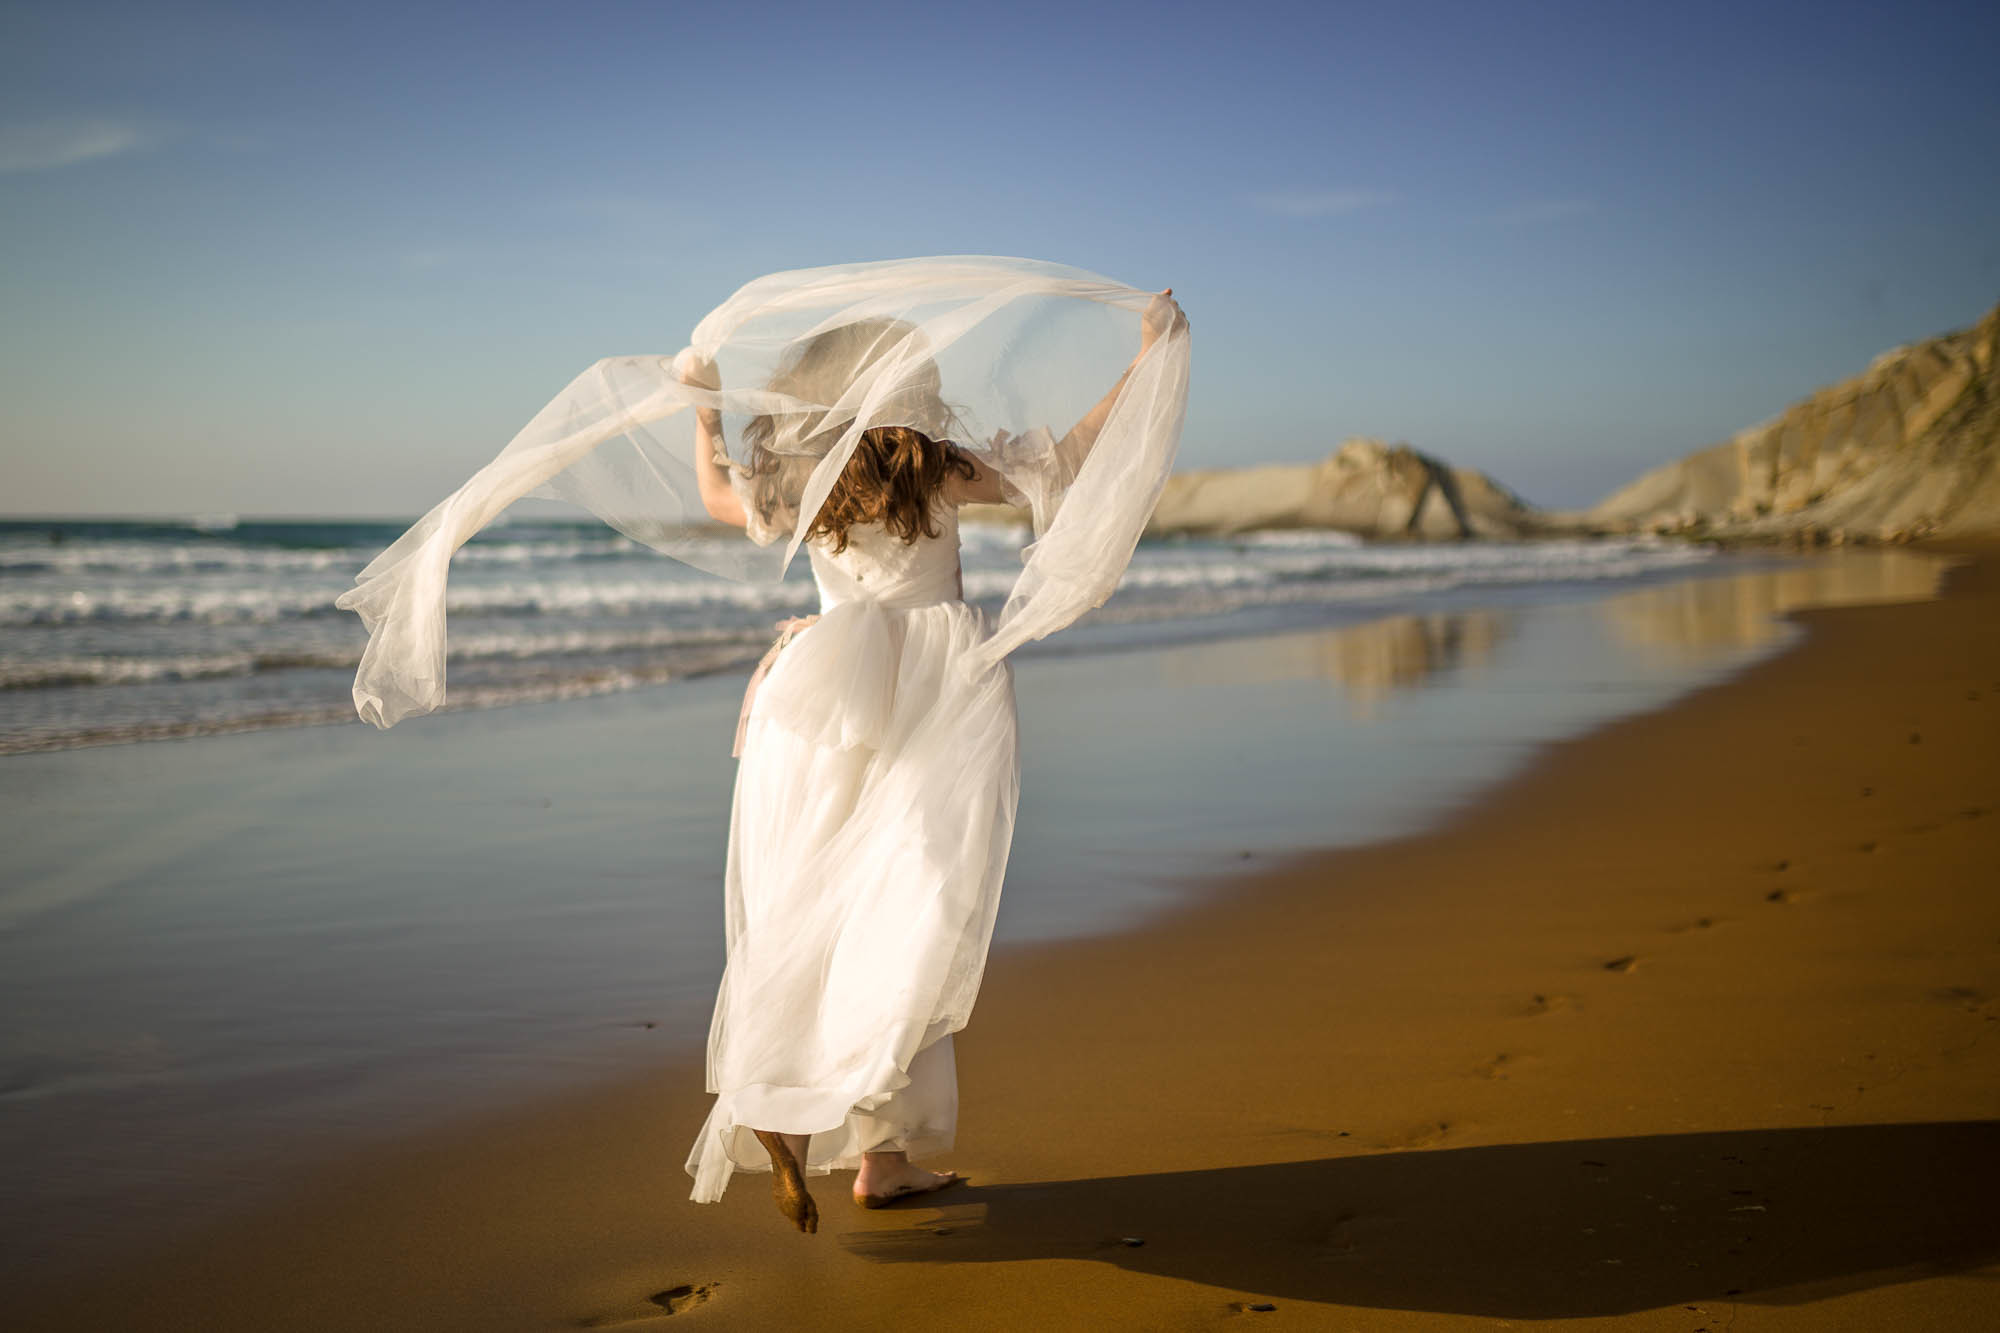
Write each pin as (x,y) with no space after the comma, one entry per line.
(875,800)
(873,813)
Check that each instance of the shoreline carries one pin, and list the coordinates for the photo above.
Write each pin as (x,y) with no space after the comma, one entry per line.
(1273,1085)
(249,641)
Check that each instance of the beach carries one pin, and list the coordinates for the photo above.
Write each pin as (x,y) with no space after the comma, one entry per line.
(1678,1013)
(1324,668)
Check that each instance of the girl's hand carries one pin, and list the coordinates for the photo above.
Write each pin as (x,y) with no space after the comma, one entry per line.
(697,371)
(1163,315)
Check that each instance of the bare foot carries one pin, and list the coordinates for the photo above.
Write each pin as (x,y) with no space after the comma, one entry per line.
(887,1176)
(788,1182)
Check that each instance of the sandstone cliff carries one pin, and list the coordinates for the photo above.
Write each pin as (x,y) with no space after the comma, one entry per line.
(1364,487)
(1910,448)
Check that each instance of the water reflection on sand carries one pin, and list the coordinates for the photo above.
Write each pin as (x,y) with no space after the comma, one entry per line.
(1695,622)
(1696,618)
(1368,662)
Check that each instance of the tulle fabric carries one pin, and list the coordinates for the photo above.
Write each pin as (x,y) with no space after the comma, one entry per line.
(869,836)
(1001,356)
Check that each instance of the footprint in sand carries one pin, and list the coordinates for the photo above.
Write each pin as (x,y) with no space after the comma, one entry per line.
(1341,1237)
(1968,998)
(1548,1004)
(674,1300)
(1419,1136)
(1301,1132)
(1503,1065)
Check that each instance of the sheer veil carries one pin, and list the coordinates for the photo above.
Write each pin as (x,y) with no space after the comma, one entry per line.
(1000,356)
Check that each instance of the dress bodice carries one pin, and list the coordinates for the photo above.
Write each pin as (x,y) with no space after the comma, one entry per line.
(881,566)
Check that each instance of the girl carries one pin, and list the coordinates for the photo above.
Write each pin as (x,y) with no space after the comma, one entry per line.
(874,804)
(875,799)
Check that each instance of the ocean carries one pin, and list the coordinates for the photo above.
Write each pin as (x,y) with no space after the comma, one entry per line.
(118,631)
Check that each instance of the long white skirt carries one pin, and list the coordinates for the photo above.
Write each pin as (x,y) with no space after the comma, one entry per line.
(873,813)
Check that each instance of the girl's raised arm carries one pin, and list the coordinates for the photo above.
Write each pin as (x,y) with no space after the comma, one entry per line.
(1162,315)
(718,497)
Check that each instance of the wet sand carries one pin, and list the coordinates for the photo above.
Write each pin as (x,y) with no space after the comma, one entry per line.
(1691,1025)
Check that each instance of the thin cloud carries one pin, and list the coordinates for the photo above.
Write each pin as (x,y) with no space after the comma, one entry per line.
(1320,203)
(1543,210)
(39,147)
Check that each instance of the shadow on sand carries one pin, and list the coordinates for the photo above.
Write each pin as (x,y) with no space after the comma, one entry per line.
(1544,1230)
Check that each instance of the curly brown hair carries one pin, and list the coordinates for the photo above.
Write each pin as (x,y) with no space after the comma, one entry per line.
(892,479)
(896,469)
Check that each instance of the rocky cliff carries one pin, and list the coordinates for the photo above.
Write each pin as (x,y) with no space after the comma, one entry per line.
(1910,448)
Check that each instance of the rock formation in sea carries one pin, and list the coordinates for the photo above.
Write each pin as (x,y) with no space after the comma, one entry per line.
(1909,448)
(1365,487)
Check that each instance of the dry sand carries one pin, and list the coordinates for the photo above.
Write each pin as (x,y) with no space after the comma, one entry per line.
(1694,1025)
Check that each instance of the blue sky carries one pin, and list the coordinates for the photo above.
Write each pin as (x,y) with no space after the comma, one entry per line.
(321,260)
